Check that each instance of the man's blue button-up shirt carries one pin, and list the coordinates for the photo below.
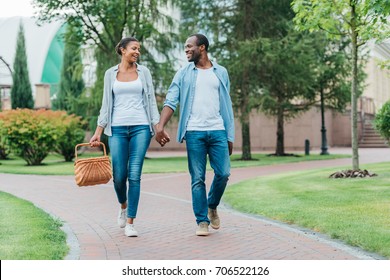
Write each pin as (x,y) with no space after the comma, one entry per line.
(182,91)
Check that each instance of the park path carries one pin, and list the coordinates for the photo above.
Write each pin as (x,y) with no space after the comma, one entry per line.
(166,223)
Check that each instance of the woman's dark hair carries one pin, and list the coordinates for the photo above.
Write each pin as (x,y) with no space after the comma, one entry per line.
(201,40)
(123,44)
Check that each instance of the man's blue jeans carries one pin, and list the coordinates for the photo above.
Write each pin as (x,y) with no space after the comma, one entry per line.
(128,145)
(200,144)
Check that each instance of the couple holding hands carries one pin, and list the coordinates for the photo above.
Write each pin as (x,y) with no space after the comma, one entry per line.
(129,117)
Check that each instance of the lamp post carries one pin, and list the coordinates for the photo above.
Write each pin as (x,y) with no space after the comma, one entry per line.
(324,145)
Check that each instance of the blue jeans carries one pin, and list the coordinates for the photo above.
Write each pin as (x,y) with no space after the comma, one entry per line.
(200,144)
(128,145)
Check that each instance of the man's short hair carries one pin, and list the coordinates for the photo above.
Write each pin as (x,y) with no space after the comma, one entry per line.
(201,40)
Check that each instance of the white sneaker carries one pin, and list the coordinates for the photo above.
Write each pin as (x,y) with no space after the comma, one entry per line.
(130,230)
(122,218)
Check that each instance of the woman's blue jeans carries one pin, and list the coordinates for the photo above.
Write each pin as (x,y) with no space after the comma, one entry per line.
(200,144)
(128,145)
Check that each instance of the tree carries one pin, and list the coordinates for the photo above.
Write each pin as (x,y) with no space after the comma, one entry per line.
(289,78)
(271,65)
(21,93)
(241,62)
(333,80)
(102,24)
(360,21)
(236,29)
(71,82)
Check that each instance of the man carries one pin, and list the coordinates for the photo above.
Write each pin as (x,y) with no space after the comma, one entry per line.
(206,123)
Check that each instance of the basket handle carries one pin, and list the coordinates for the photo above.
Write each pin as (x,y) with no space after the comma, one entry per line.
(88,144)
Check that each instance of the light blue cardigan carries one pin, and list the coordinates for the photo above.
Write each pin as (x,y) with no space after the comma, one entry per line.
(149,98)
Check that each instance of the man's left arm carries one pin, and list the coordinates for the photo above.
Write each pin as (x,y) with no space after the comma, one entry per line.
(231,129)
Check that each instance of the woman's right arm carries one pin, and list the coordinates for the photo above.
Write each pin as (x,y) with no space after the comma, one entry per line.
(104,109)
(103,115)
(95,139)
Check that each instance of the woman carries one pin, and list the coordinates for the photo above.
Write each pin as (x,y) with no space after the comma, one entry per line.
(128,116)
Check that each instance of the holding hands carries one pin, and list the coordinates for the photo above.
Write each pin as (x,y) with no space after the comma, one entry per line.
(162,137)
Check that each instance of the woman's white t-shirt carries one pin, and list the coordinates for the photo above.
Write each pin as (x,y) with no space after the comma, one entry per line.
(128,104)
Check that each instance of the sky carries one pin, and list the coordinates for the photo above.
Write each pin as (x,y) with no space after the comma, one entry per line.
(10,8)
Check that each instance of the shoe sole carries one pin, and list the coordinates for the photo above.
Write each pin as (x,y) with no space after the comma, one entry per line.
(133,234)
(202,233)
(214,227)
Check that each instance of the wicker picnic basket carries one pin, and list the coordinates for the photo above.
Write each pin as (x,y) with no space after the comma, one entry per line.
(92,171)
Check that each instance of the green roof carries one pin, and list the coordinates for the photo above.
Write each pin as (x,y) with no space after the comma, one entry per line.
(51,72)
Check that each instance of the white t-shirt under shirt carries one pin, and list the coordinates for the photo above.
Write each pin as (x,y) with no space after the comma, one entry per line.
(205,112)
(128,104)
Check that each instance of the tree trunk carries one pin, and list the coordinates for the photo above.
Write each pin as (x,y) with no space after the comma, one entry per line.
(244,104)
(280,133)
(244,119)
(245,132)
(355,151)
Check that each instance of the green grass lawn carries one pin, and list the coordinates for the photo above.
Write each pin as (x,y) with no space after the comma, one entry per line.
(55,165)
(28,233)
(356,211)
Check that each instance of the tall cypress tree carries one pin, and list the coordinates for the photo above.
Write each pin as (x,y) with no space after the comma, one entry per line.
(21,93)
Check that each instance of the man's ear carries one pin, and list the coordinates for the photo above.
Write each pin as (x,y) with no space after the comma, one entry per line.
(202,47)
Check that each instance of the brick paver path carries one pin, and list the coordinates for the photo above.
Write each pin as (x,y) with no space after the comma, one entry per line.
(166,223)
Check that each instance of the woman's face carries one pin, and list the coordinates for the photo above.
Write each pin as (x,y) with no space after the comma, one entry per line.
(131,52)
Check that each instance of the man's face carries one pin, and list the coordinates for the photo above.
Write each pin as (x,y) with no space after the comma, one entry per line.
(192,50)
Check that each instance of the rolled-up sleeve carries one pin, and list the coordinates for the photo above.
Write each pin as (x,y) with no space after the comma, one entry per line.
(229,122)
(173,94)
(154,114)
(104,109)
(230,129)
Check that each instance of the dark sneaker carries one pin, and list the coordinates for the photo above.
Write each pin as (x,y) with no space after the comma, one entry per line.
(203,229)
(214,218)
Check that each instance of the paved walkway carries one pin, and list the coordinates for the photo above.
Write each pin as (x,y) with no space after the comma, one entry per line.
(165,220)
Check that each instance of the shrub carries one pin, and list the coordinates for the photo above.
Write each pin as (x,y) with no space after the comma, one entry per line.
(30,134)
(382,121)
(4,148)
(72,133)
